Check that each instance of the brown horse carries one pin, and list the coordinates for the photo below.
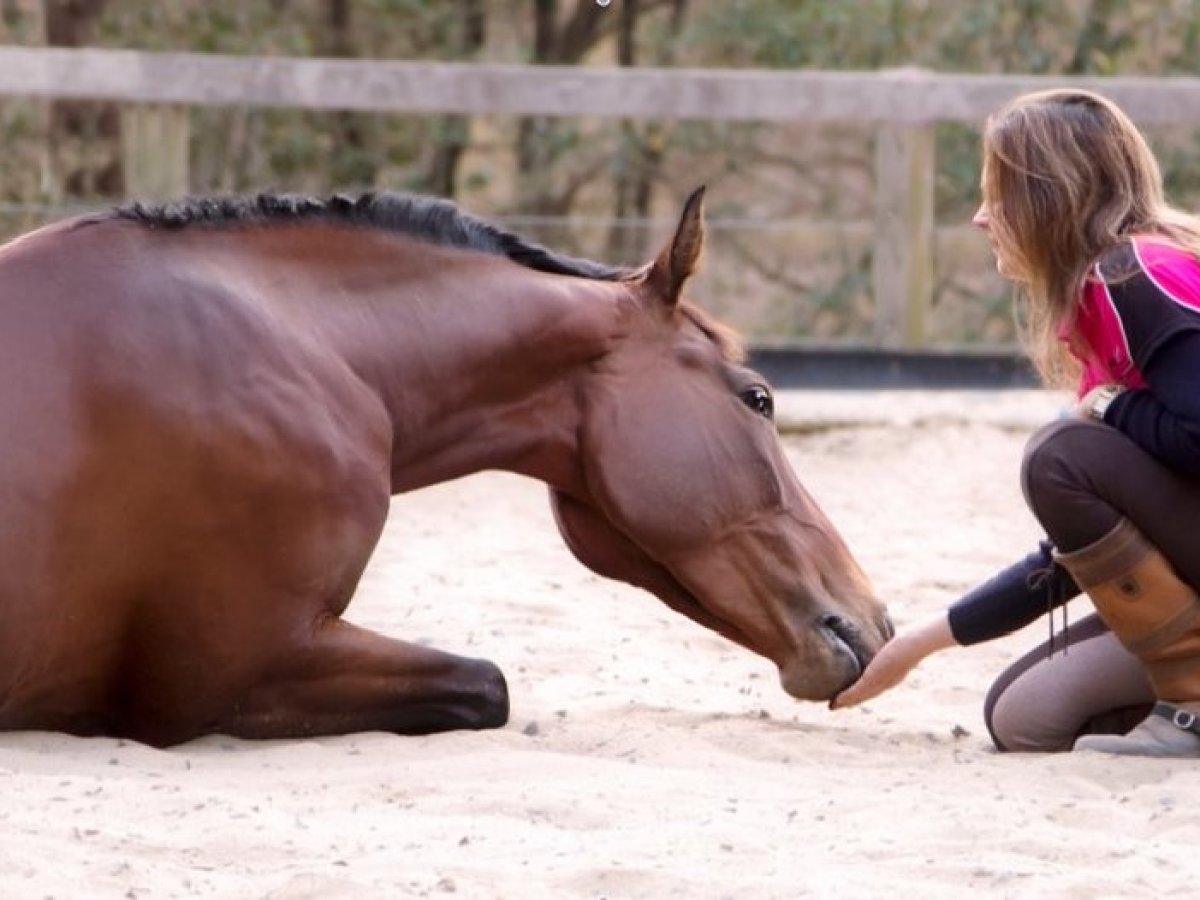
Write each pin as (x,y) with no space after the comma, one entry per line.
(205,408)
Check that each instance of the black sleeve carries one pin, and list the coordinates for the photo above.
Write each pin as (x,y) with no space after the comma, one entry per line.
(1150,317)
(1164,419)
(1012,599)
(1163,334)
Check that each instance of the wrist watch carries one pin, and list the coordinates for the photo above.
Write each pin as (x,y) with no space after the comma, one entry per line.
(1102,399)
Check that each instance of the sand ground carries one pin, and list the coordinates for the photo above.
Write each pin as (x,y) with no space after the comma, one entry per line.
(645,757)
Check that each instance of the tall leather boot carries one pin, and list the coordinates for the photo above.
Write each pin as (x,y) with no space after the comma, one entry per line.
(1157,617)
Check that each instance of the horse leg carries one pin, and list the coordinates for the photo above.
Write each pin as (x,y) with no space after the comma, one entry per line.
(346,679)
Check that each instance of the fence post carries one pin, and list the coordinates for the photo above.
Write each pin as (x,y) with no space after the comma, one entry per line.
(154,146)
(904,234)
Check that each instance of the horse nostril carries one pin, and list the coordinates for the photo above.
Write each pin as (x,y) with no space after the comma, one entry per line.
(831,622)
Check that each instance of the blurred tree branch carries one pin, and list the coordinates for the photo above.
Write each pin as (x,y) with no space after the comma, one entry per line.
(83,137)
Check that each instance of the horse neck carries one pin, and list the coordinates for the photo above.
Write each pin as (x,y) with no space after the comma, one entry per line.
(477,360)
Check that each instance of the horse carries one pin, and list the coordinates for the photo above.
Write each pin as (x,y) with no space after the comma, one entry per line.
(206,407)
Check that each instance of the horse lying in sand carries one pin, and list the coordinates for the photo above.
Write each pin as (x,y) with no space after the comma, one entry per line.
(205,409)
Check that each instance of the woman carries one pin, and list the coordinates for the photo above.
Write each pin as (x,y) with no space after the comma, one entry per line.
(1110,281)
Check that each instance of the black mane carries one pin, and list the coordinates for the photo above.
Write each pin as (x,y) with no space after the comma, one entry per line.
(425,218)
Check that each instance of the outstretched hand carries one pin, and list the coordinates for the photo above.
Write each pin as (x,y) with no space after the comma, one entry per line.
(894,661)
(890,666)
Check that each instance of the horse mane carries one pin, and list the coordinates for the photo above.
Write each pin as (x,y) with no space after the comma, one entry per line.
(425,218)
(429,219)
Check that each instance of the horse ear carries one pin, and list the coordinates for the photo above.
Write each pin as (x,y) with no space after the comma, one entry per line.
(681,257)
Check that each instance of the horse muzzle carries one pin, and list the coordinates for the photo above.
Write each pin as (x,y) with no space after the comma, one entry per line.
(838,652)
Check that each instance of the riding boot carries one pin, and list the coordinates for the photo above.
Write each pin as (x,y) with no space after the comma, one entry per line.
(1157,617)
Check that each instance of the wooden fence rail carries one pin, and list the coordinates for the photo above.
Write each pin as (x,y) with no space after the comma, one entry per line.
(902,105)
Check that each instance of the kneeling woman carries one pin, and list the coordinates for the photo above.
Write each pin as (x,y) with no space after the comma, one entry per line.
(1110,275)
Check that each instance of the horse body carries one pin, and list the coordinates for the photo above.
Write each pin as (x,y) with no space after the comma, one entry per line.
(204,424)
(181,473)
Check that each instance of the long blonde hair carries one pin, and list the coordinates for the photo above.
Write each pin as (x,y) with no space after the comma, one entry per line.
(1066,177)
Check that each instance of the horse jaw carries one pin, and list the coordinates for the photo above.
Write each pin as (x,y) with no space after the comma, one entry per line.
(818,643)
(795,591)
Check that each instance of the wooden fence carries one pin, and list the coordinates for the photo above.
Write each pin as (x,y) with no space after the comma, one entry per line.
(902,105)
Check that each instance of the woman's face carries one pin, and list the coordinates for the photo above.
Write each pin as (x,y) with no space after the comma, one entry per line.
(983,221)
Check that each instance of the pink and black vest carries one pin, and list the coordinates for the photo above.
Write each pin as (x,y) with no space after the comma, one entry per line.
(1141,294)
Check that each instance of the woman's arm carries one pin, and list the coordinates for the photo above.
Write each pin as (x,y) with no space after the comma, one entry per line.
(1013,598)
(1010,600)
(1151,289)
(1164,419)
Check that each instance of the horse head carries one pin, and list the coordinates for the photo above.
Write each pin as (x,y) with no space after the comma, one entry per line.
(687,491)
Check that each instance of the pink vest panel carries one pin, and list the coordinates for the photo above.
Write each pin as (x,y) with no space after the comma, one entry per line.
(1098,338)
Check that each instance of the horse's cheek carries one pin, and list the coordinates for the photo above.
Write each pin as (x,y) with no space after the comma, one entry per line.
(594,542)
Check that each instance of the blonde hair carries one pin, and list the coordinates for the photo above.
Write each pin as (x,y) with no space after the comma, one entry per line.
(1066,177)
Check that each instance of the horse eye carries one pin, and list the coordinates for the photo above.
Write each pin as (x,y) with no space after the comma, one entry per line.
(759,399)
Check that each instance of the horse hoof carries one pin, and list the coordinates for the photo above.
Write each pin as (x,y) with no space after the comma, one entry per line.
(491,697)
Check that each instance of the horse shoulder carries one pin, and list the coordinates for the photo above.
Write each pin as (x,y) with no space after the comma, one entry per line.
(168,413)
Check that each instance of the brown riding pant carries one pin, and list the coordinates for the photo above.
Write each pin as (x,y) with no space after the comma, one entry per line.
(1080,479)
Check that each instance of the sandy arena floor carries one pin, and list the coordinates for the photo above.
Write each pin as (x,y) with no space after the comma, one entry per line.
(645,757)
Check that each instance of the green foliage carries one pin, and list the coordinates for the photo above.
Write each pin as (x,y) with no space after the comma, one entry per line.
(764,179)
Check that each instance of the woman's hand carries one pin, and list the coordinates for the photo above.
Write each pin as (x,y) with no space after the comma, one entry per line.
(895,660)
